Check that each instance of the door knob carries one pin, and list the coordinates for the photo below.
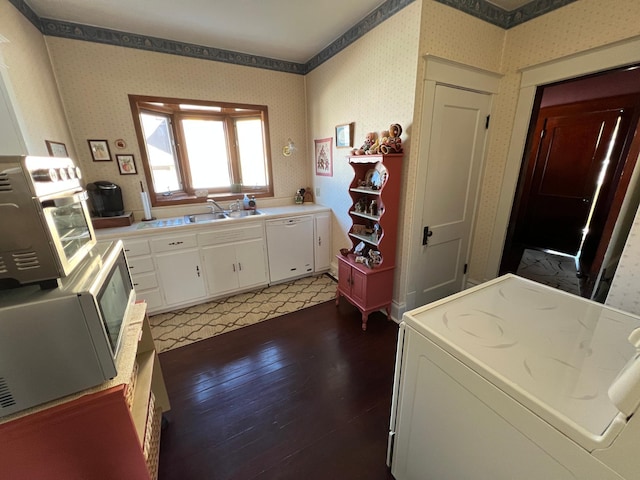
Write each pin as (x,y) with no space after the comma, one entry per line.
(426,233)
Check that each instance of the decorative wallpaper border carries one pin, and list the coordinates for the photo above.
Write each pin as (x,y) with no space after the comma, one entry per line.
(478,8)
(502,18)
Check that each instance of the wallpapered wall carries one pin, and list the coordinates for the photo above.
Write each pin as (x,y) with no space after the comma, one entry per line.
(574,28)
(31,82)
(95,81)
(371,83)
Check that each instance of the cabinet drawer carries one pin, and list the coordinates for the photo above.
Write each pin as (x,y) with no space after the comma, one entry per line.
(136,247)
(177,242)
(231,235)
(145,281)
(140,265)
(152,297)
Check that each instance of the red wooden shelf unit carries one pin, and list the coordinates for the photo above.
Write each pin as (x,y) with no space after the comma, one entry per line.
(375,195)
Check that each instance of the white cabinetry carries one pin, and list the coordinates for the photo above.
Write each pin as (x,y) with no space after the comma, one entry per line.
(234,259)
(142,268)
(322,241)
(178,265)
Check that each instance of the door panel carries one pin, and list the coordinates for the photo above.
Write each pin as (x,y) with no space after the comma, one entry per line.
(564,178)
(453,171)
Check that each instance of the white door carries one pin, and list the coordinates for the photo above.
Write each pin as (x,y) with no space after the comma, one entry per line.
(454,161)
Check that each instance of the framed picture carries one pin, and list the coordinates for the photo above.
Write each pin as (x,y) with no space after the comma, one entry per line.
(56,149)
(126,164)
(324,157)
(344,135)
(99,150)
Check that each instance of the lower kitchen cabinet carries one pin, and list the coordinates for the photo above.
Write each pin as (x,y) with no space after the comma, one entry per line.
(369,289)
(232,267)
(322,242)
(234,258)
(186,267)
(181,276)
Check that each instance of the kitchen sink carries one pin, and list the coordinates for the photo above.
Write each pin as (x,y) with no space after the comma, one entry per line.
(243,213)
(204,217)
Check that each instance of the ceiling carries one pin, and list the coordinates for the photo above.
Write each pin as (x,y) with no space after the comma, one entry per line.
(289,30)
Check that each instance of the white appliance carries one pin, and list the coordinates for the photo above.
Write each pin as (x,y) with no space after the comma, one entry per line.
(515,380)
(290,247)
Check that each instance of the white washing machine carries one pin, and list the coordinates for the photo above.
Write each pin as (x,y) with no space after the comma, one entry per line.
(513,380)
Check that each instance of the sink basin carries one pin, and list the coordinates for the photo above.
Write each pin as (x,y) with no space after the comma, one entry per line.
(204,217)
(243,213)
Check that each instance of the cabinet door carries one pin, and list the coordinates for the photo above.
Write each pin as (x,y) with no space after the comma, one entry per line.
(322,239)
(344,277)
(359,287)
(181,276)
(220,268)
(250,259)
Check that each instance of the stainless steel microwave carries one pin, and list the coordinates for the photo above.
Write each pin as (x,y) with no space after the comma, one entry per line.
(59,341)
(47,228)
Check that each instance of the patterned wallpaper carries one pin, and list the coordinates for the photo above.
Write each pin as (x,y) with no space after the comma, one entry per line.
(371,83)
(31,81)
(95,81)
(625,287)
(577,27)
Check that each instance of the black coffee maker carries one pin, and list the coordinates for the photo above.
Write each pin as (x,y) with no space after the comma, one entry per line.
(106,199)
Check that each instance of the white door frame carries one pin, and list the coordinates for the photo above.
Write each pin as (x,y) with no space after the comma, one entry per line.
(438,71)
(607,57)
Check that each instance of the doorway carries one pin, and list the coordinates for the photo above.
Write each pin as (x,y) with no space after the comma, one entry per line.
(571,184)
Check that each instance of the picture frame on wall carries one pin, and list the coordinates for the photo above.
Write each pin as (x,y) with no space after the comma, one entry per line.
(344,135)
(99,150)
(324,157)
(56,149)
(126,164)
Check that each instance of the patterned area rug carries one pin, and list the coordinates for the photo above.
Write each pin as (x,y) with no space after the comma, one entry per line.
(182,327)
(554,270)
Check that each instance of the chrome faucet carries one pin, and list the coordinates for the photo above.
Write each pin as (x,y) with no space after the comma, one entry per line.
(234,206)
(213,204)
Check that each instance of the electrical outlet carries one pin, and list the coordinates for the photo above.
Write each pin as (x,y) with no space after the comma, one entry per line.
(317,191)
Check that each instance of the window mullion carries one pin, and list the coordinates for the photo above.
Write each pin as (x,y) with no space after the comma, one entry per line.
(181,153)
(232,148)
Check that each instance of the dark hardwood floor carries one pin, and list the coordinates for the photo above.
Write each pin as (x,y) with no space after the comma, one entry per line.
(302,396)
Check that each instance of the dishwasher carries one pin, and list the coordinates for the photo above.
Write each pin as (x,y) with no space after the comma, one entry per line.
(290,247)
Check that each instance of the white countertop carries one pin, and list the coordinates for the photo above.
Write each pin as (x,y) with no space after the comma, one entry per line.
(172,224)
(555,352)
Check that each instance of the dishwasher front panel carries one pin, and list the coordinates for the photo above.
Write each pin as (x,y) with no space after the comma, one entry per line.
(290,248)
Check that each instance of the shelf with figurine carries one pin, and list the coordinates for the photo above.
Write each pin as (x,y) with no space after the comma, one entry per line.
(365,270)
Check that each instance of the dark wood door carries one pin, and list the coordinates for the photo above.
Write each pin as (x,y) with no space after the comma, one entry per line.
(573,147)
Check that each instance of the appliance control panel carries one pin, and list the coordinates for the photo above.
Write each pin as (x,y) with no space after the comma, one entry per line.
(52,175)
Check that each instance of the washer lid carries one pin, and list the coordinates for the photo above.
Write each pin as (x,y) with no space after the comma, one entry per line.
(554,352)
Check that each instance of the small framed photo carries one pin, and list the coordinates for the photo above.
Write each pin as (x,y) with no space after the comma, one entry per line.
(344,135)
(99,150)
(126,164)
(56,149)
(324,157)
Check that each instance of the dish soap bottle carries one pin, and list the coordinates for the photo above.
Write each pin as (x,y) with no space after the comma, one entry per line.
(245,202)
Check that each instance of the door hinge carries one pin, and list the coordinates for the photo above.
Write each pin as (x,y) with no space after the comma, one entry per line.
(465,269)
(486,125)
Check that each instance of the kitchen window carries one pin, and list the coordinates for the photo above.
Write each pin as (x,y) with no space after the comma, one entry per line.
(193,147)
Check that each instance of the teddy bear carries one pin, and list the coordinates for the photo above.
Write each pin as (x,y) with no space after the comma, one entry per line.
(368,141)
(375,147)
(393,144)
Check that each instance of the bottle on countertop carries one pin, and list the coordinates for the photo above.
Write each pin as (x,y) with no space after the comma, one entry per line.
(245,202)
(252,202)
